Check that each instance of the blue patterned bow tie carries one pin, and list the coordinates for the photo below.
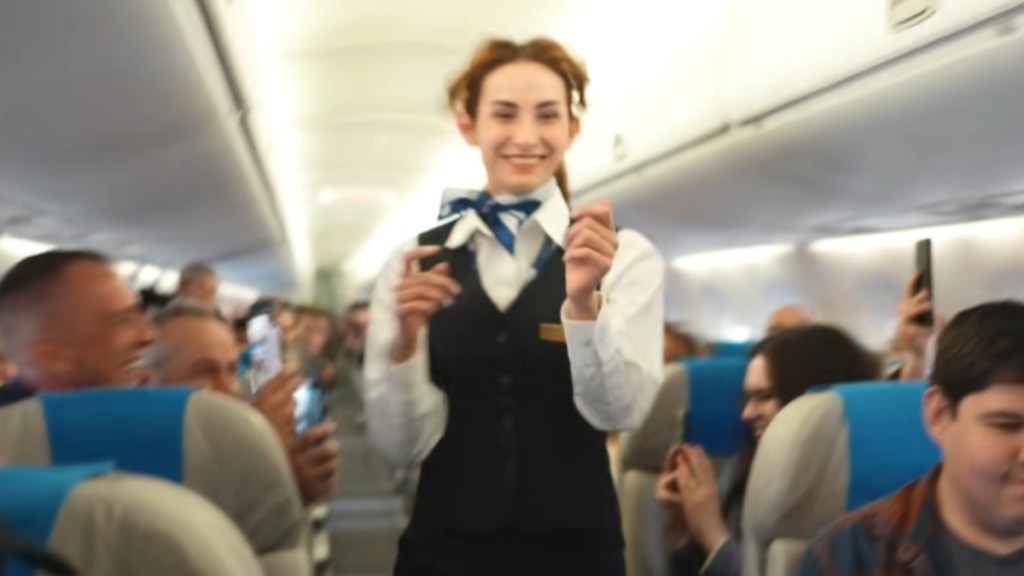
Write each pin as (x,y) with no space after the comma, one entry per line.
(490,211)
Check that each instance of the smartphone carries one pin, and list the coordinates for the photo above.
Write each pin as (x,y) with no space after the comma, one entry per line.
(267,350)
(309,407)
(923,267)
(270,355)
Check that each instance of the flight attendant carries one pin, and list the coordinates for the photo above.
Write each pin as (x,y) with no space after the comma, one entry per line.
(505,343)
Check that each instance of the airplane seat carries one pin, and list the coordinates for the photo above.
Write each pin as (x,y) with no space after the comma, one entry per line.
(831,451)
(213,444)
(732,349)
(117,524)
(698,401)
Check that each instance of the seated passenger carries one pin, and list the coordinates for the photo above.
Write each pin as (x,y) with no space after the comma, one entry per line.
(788,317)
(966,516)
(680,345)
(195,346)
(68,322)
(315,333)
(198,283)
(706,506)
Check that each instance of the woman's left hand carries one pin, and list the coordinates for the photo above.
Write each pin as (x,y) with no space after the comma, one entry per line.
(698,489)
(590,248)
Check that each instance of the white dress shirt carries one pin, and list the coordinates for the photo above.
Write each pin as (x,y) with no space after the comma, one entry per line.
(616,360)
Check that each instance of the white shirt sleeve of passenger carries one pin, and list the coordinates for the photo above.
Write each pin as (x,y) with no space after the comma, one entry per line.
(617,359)
(405,412)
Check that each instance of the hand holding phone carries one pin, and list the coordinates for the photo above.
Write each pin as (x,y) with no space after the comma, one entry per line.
(276,401)
(267,348)
(923,282)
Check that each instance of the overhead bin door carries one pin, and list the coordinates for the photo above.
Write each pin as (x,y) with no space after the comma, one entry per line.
(778,51)
(654,66)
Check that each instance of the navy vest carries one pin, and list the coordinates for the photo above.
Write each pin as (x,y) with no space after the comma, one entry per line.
(516,452)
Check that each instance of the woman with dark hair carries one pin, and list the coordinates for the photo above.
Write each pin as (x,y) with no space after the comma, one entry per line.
(707,506)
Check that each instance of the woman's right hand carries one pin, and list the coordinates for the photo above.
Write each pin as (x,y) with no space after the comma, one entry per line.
(418,296)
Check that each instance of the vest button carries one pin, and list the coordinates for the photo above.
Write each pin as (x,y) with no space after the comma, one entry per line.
(502,338)
(505,382)
(508,423)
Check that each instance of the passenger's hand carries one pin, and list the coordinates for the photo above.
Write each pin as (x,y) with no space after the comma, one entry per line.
(666,491)
(418,297)
(276,401)
(698,487)
(911,336)
(911,339)
(590,248)
(315,462)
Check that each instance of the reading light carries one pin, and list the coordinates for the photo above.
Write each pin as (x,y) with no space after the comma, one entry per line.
(863,243)
(22,247)
(732,257)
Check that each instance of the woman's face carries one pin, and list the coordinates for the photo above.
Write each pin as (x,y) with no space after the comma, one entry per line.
(761,403)
(523,127)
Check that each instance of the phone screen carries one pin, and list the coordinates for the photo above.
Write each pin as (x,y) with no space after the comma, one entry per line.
(270,355)
(267,350)
(309,407)
(923,267)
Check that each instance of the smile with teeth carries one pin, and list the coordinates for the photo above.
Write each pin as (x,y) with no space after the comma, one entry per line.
(524,160)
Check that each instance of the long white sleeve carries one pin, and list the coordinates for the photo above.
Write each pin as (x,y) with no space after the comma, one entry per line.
(405,412)
(616,360)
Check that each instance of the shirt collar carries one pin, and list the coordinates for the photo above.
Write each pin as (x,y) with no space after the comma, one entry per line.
(552,216)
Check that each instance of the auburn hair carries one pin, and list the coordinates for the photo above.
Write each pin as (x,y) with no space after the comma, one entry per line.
(464,91)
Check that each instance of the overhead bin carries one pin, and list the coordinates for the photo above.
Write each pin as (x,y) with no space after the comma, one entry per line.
(780,51)
(939,128)
(655,73)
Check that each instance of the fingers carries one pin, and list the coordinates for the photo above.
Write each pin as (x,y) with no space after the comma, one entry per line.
(911,288)
(667,490)
(413,257)
(587,234)
(600,212)
(316,465)
(919,307)
(922,298)
(587,256)
(914,306)
(692,472)
(591,227)
(424,293)
(281,386)
(429,290)
(320,459)
(701,464)
(316,435)
(672,458)
(438,277)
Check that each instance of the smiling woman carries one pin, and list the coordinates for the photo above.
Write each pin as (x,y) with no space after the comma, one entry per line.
(536,71)
(505,343)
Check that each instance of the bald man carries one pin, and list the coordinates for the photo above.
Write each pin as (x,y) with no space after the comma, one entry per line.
(789,317)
